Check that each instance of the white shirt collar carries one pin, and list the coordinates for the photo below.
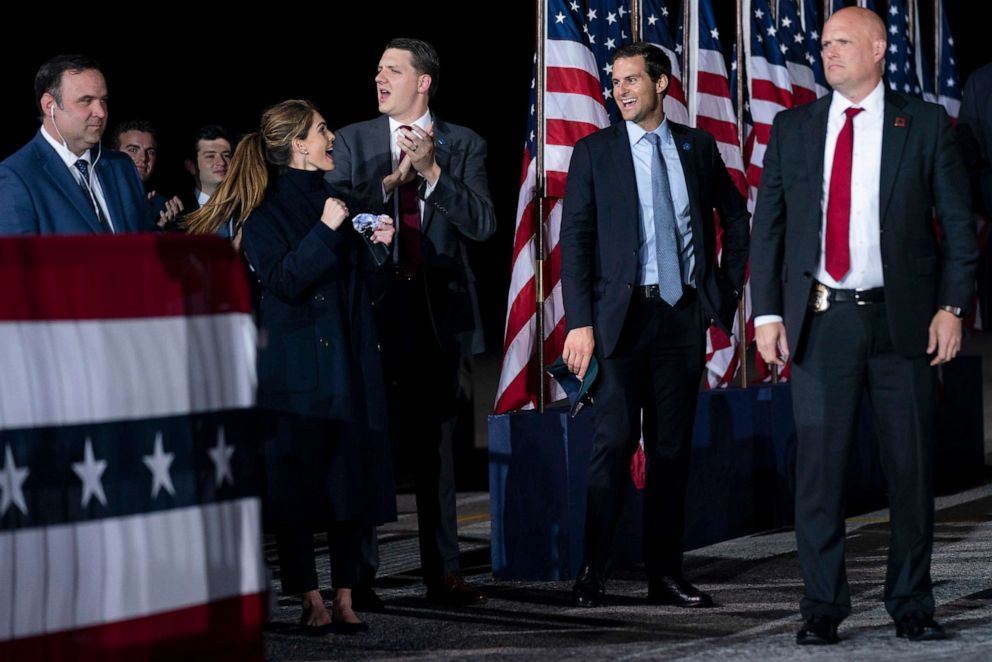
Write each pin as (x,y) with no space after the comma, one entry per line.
(423,122)
(874,103)
(64,153)
(201,197)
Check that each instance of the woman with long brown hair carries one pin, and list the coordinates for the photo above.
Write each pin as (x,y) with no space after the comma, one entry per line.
(319,374)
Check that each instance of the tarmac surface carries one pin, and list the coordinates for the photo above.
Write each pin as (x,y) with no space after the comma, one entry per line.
(755,580)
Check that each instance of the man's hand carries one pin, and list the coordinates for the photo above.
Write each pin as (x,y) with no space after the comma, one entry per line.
(577,351)
(945,337)
(173,208)
(419,146)
(403,174)
(772,343)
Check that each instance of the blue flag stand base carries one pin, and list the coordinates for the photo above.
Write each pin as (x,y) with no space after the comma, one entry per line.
(742,476)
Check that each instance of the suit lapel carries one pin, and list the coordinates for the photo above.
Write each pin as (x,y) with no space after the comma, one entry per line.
(623,172)
(815,132)
(686,147)
(896,125)
(112,195)
(59,174)
(442,154)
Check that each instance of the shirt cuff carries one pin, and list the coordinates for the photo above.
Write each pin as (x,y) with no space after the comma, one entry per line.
(761,320)
(429,188)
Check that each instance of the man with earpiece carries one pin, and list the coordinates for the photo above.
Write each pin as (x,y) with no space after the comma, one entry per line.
(62,181)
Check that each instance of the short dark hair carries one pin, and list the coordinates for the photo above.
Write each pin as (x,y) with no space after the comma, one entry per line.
(655,60)
(208,132)
(424,58)
(143,126)
(49,76)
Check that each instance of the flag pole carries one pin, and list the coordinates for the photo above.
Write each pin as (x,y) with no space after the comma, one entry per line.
(938,42)
(741,316)
(688,80)
(828,9)
(635,21)
(539,194)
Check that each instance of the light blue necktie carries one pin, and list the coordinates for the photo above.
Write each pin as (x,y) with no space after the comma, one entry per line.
(665,242)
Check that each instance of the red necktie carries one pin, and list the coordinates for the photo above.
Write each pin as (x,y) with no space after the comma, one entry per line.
(409,221)
(838,246)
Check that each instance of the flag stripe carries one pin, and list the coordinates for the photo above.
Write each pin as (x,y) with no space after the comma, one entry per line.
(224,630)
(67,372)
(52,278)
(94,573)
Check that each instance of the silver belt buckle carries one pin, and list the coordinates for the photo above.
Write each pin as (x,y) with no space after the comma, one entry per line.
(821,298)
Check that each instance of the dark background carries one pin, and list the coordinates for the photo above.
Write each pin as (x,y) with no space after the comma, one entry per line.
(180,68)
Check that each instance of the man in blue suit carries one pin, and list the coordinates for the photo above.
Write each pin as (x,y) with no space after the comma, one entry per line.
(62,181)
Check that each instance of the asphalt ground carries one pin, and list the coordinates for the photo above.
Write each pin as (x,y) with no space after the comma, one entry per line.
(755,580)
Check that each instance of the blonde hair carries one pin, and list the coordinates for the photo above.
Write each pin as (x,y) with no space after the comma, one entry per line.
(243,190)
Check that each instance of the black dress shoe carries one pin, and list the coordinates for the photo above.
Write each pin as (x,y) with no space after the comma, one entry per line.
(818,630)
(589,588)
(452,591)
(314,630)
(344,627)
(677,591)
(365,599)
(917,626)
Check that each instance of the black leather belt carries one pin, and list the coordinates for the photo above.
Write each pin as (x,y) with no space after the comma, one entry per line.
(648,291)
(822,296)
(652,292)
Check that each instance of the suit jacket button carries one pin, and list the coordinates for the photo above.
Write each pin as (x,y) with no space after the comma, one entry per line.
(319,298)
(630,286)
(378,346)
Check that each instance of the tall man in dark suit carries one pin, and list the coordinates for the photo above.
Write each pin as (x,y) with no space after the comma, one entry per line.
(62,181)
(430,176)
(640,283)
(848,276)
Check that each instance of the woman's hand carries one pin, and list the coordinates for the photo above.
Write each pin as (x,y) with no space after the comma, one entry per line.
(384,232)
(334,214)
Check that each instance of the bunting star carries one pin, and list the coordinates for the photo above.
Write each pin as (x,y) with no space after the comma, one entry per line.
(221,456)
(158,463)
(574,6)
(591,16)
(559,18)
(90,471)
(652,19)
(611,18)
(12,484)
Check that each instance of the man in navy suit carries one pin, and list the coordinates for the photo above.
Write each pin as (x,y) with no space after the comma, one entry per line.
(431,177)
(640,284)
(62,181)
(852,279)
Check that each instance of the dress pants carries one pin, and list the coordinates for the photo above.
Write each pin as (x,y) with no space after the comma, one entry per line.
(656,368)
(422,378)
(297,559)
(847,348)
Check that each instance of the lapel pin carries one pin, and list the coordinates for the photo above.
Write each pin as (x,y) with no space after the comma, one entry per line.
(440,141)
(900,121)
(686,147)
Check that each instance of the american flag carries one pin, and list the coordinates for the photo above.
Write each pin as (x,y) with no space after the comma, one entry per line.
(811,24)
(924,70)
(949,94)
(769,84)
(130,519)
(900,63)
(711,110)
(798,60)
(608,28)
(655,30)
(574,108)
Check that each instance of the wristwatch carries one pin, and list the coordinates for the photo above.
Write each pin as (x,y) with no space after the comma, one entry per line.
(957,311)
